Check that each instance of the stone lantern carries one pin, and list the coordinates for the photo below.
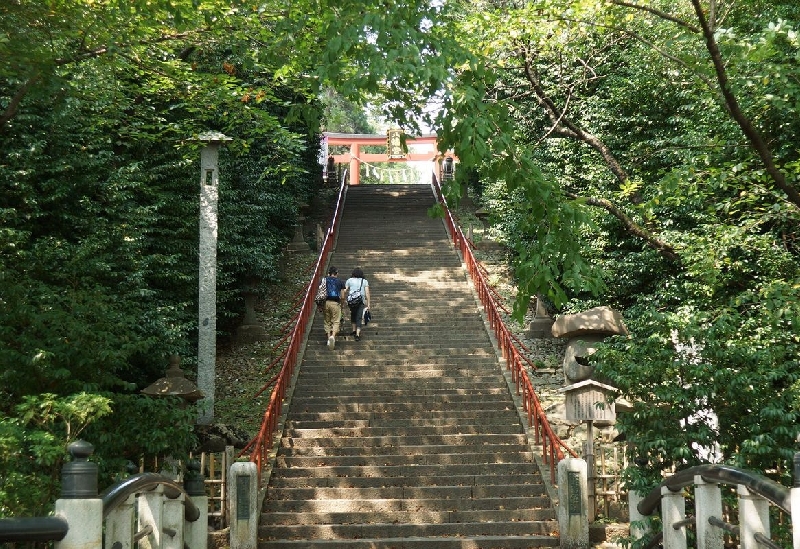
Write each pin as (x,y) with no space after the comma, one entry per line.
(174,383)
(587,399)
(298,243)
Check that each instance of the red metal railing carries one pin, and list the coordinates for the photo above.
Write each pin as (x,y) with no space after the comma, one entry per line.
(261,446)
(544,435)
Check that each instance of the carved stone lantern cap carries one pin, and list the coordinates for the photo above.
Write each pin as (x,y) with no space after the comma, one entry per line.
(174,383)
(213,137)
(599,320)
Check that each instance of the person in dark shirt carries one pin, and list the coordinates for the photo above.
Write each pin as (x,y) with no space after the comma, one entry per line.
(333,305)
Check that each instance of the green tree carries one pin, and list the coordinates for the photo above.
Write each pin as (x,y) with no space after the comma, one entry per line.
(654,158)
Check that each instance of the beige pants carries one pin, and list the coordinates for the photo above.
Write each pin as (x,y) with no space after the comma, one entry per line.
(333,314)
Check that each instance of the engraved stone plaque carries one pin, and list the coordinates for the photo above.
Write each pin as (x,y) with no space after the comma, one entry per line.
(574,496)
(242,497)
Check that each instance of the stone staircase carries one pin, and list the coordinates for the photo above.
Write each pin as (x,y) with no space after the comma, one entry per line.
(410,437)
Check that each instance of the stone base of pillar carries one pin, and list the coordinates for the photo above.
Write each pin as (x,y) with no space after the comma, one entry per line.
(301,246)
(487,245)
(250,333)
(298,243)
(541,328)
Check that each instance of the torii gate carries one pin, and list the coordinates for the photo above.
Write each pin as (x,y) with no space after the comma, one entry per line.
(356,140)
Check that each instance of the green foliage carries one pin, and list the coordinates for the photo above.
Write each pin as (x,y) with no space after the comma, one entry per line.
(99,208)
(602,129)
(344,116)
(141,429)
(33,444)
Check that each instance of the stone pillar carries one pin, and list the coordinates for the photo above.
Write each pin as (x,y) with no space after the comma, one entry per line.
(573,508)
(673,511)
(243,505)
(753,518)
(207,299)
(708,498)
(639,528)
(79,504)
(195,534)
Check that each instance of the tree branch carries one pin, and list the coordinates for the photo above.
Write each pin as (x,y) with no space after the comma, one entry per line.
(657,13)
(560,120)
(13,105)
(732,105)
(563,126)
(632,227)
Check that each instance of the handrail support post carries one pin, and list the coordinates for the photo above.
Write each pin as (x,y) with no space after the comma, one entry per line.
(673,510)
(753,518)
(708,496)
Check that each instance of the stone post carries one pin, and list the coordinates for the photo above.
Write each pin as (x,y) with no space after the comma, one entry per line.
(243,503)
(298,243)
(150,513)
(753,518)
(320,237)
(172,523)
(195,534)
(207,298)
(79,504)
(638,527)
(119,525)
(795,498)
(251,330)
(573,508)
(673,511)
(708,498)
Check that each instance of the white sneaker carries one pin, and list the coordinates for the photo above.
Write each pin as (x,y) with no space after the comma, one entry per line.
(331,343)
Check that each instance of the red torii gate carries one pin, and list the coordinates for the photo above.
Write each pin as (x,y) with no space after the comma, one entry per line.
(355,157)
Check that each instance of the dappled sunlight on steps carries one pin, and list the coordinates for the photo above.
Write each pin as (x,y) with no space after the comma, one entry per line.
(410,437)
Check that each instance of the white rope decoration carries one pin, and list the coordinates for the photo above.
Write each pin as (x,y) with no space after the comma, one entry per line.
(380,173)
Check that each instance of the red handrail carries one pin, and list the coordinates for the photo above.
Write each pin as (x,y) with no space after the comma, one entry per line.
(262,443)
(550,442)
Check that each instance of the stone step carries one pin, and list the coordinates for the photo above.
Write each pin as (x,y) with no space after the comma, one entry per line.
(363,447)
(408,471)
(329,420)
(374,378)
(416,542)
(371,387)
(460,441)
(385,398)
(370,341)
(447,429)
(377,482)
(388,505)
(397,368)
(372,529)
(408,410)
(426,493)
(421,459)
(409,517)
